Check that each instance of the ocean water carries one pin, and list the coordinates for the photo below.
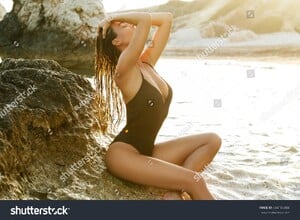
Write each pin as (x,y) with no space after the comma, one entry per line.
(255,108)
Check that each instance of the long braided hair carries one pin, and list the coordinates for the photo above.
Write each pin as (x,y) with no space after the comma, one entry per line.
(108,95)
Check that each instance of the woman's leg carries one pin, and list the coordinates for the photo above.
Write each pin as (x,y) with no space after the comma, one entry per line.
(124,161)
(193,152)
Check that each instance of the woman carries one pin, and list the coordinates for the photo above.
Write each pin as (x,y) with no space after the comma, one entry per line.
(125,73)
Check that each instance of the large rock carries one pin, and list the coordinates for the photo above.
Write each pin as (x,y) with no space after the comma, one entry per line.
(48,125)
(63,30)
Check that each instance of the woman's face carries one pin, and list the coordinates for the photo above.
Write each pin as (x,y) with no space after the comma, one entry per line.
(124,32)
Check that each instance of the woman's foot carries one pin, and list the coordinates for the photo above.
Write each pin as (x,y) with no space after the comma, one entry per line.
(172,195)
(185,196)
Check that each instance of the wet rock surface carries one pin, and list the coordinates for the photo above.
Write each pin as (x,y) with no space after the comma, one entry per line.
(48,128)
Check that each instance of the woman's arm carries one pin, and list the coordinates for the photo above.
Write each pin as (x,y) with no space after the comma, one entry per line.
(132,53)
(164,22)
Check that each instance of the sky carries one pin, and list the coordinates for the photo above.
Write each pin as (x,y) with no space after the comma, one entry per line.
(110,5)
(118,5)
(7,4)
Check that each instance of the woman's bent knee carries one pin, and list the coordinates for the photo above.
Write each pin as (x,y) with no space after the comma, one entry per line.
(215,140)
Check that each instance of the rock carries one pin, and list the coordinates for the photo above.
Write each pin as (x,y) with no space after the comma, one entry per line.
(2,12)
(242,36)
(252,15)
(63,30)
(217,29)
(48,125)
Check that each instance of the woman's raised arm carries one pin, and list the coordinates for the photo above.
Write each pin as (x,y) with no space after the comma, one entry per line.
(133,51)
(163,21)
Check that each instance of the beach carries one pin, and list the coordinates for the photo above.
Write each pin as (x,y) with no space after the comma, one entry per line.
(255,108)
(234,70)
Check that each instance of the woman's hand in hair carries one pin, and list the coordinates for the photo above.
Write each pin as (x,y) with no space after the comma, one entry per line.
(104,24)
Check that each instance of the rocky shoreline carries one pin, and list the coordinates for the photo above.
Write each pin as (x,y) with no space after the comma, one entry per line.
(60,30)
(64,31)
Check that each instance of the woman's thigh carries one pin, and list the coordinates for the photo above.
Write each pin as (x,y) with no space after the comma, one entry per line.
(126,162)
(177,150)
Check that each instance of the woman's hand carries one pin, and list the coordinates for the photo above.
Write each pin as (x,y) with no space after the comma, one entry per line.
(104,24)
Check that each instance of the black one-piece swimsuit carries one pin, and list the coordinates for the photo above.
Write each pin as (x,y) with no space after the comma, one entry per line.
(146,112)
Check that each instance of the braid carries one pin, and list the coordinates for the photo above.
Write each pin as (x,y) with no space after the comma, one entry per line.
(108,94)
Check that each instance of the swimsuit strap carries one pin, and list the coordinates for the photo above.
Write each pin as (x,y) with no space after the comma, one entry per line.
(149,65)
(142,74)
